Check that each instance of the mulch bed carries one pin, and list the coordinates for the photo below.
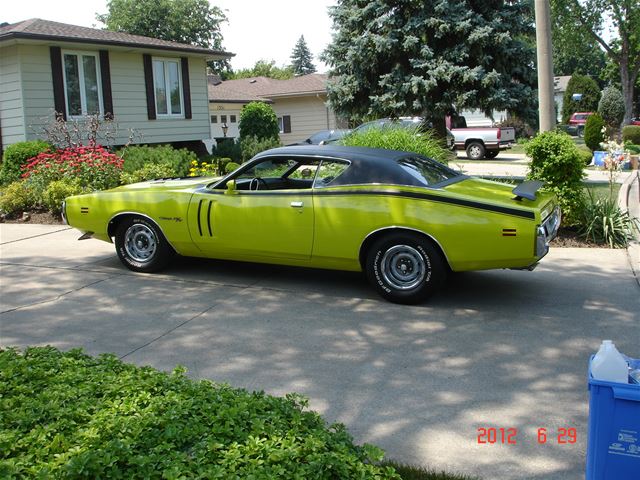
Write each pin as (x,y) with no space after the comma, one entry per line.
(566,238)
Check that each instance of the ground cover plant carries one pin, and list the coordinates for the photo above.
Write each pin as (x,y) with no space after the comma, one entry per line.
(406,139)
(69,415)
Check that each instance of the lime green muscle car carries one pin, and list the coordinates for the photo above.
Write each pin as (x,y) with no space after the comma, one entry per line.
(403,219)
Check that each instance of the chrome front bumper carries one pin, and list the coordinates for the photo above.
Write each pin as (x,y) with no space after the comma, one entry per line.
(547,232)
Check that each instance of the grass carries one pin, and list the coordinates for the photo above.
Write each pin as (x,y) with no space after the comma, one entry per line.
(409,472)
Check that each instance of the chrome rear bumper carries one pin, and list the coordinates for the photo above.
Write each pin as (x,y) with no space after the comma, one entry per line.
(547,232)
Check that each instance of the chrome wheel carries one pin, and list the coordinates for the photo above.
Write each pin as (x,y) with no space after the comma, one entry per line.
(403,267)
(140,243)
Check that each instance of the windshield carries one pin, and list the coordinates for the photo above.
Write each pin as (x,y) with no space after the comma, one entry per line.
(428,172)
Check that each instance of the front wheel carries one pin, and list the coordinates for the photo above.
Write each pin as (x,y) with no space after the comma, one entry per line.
(405,268)
(141,246)
(475,151)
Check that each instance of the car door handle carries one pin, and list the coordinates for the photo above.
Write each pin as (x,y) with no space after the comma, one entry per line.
(297,204)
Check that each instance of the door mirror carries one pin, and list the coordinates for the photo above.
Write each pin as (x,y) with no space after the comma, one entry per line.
(231,187)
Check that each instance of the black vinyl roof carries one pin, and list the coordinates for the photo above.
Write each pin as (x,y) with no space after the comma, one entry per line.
(368,165)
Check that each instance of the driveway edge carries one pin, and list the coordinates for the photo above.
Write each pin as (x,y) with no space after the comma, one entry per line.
(629,200)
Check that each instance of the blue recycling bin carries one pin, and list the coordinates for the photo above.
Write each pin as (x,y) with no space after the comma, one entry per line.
(598,158)
(613,443)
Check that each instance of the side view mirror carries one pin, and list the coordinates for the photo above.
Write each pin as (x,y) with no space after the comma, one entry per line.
(231,187)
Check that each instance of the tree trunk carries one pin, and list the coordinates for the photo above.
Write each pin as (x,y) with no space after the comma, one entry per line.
(627,80)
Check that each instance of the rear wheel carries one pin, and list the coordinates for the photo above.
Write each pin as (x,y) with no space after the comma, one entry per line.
(489,154)
(475,151)
(405,268)
(141,246)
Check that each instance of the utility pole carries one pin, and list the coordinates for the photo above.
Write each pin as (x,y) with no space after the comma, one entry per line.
(547,111)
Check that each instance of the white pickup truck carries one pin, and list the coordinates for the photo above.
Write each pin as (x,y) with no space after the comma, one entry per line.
(480,142)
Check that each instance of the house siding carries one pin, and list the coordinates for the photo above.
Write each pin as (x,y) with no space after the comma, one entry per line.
(308,116)
(27,68)
(218,109)
(11,105)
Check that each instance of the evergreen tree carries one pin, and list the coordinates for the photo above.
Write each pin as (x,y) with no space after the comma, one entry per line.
(588,88)
(427,58)
(302,59)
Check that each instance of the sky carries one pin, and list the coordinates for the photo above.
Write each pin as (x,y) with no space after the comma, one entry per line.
(257,29)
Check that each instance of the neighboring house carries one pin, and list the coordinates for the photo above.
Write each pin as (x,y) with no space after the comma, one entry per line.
(155,87)
(559,87)
(299,103)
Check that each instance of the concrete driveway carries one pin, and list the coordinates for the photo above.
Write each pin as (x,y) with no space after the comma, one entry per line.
(501,349)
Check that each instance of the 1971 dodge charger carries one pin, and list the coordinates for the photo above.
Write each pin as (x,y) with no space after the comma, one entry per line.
(404,219)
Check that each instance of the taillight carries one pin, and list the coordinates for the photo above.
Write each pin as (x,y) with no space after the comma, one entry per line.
(499,133)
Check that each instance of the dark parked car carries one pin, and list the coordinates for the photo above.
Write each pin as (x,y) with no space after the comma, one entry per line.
(325,136)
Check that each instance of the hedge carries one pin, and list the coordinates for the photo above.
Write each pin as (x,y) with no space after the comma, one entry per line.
(68,415)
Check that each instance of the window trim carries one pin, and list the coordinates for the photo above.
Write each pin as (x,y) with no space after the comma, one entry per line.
(165,61)
(81,78)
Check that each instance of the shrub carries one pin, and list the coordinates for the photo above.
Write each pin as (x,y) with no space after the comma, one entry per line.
(556,161)
(136,157)
(634,149)
(587,156)
(150,171)
(631,133)
(228,149)
(68,415)
(611,107)
(17,197)
(258,119)
(602,221)
(590,91)
(93,167)
(230,167)
(251,146)
(400,138)
(593,134)
(57,191)
(16,156)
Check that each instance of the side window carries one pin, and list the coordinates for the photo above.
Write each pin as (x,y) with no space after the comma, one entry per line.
(271,168)
(328,171)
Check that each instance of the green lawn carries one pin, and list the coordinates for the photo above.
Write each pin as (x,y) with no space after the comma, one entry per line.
(408,472)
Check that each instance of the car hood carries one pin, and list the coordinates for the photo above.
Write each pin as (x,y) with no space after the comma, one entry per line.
(169,184)
(497,193)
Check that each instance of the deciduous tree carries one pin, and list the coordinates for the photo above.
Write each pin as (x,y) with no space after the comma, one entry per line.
(263,68)
(595,17)
(193,22)
(391,58)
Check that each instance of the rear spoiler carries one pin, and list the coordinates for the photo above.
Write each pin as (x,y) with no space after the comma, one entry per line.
(527,189)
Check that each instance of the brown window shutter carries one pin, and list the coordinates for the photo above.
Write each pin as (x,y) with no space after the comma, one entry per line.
(186,87)
(105,76)
(58,82)
(286,124)
(148,82)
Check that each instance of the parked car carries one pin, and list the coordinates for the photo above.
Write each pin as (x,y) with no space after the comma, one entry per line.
(404,219)
(577,122)
(579,118)
(479,142)
(325,136)
(635,121)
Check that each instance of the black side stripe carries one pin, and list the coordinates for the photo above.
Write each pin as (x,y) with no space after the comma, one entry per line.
(209,218)
(396,193)
(199,210)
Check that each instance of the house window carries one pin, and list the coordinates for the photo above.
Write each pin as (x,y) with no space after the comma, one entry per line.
(284,124)
(167,85)
(83,92)
(214,119)
(223,118)
(233,119)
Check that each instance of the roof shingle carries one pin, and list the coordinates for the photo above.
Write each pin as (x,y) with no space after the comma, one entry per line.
(262,88)
(36,28)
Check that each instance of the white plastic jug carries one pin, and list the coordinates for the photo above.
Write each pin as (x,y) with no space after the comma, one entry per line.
(609,365)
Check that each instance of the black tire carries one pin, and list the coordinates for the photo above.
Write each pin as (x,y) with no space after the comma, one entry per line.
(475,151)
(141,246)
(489,154)
(405,268)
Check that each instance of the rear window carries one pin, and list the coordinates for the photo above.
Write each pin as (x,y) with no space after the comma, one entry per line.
(428,172)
